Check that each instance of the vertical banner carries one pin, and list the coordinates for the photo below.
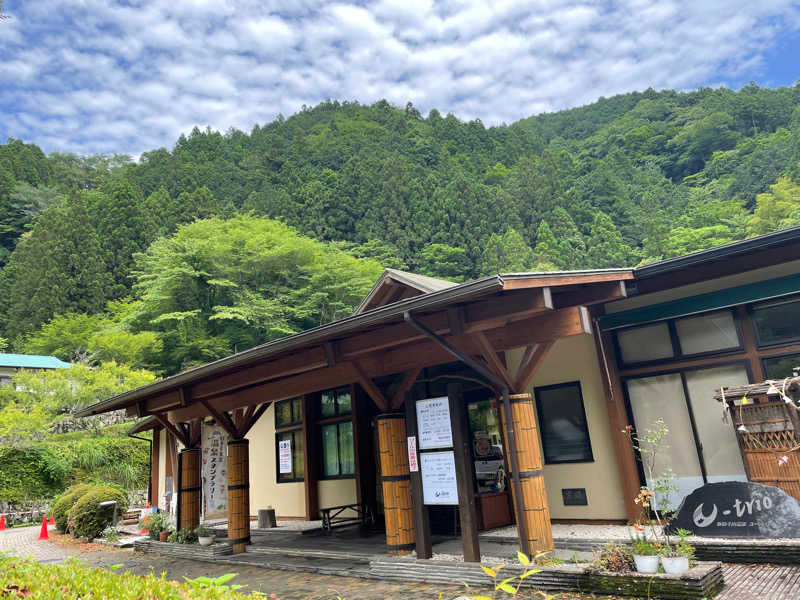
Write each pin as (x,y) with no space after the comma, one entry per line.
(285,456)
(215,474)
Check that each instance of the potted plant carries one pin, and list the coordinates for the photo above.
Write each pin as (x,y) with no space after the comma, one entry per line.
(645,554)
(677,559)
(163,536)
(155,524)
(204,536)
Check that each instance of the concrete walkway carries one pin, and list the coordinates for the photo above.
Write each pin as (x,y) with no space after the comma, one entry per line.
(24,541)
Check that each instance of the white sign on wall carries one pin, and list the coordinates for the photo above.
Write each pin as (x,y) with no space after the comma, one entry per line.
(285,456)
(433,423)
(413,465)
(439,478)
(215,472)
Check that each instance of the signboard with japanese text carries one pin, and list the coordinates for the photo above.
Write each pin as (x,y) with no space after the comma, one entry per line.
(215,472)
(285,456)
(439,478)
(433,423)
(413,465)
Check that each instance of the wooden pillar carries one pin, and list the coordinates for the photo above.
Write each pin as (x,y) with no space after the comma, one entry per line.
(155,448)
(239,494)
(395,482)
(189,461)
(420,512)
(618,421)
(467,511)
(310,459)
(539,534)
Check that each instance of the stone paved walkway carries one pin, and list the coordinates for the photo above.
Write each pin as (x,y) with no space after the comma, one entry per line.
(24,541)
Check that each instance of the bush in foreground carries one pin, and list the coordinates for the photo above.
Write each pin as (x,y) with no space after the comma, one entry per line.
(88,518)
(27,578)
(65,502)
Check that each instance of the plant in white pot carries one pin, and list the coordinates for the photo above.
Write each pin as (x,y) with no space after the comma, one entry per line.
(677,559)
(645,554)
(205,537)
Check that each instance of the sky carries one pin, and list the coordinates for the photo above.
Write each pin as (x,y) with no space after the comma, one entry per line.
(97,76)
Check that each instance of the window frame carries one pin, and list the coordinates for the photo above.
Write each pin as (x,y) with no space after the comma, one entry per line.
(320,422)
(337,424)
(295,422)
(294,431)
(764,358)
(677,351)
(337,416)
(539,416)
(751,315)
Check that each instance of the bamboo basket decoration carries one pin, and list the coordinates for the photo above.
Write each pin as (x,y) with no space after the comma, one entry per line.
(765,417)
(529,458)
(239,494)
(395,481)
(189,489)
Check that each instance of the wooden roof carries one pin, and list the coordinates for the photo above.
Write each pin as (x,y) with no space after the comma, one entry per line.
(479,317)
(395,285)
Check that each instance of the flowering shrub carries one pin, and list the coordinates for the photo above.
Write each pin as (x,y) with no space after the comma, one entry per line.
(26,578)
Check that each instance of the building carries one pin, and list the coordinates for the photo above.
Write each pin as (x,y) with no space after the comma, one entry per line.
(11,363)
(543,372)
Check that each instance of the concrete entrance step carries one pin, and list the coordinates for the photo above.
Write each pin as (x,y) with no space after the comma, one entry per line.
(344,567)
(352,557)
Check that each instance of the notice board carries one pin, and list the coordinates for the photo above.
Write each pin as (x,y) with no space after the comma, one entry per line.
(433,423)
(439,478)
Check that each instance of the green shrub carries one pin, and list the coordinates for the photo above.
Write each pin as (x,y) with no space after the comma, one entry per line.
(88,519)
(65,502)
(26,577)
(184,536)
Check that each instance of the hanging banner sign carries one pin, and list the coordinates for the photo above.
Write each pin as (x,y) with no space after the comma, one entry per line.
(413,465)
(433,423)
(285,456)
(215,472)
(439,478)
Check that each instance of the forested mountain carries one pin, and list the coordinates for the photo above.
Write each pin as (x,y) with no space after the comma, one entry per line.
(101,258)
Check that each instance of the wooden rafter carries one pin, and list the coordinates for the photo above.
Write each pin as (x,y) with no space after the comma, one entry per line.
(592,294)
(170,426)
(222,418)
(372,390)
(489,354)
(405,384)
(531,362)
(254,418)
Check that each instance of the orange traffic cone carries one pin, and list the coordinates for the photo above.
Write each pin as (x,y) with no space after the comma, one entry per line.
(43,535)
(2,522)
(52,521)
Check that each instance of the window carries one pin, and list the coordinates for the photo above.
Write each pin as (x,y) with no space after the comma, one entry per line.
(296,450)
(335,403)
(777,321)
(289,429)
(5,381)
(289,412)
(643,344)
(562,420)
(778,367)
(707,333)
(678,338)
(338,458)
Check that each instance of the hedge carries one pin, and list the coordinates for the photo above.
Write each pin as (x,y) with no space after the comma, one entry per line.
(88,518)
(24,577)
(65,502)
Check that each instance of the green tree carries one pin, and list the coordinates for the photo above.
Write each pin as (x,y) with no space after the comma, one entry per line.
(443,261)
(507,253)
(776,208)
(606,249)
(546,252)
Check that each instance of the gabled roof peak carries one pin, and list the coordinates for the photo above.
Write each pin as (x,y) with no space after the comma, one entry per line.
(394,285)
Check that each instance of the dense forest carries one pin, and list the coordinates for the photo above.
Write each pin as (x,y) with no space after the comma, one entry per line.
(229,240)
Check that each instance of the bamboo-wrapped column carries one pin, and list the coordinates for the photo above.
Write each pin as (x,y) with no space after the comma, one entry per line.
(239,494)
(189,486)
(395,480)
(537,528)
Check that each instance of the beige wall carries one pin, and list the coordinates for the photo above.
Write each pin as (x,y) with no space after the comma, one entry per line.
(288,499)
(575,359)
(703,287)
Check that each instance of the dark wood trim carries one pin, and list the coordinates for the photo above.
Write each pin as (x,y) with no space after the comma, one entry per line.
(154,466)
(405,384)
(528,368)
(372,390)
(254,417)
(750,344)
(420,512)
(467,508)
(178,433)
(222,418)
(492,359)
(617,421)
(310,452)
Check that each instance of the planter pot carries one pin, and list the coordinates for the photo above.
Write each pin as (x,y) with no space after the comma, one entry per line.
(646,564)
(675,565)
(205,540)
(163,536)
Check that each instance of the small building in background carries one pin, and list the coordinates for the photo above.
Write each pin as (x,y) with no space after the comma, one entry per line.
(11,363)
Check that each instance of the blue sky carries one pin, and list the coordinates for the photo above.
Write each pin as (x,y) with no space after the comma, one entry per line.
(100,76)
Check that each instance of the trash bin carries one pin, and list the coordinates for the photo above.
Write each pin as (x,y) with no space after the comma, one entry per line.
(266,518)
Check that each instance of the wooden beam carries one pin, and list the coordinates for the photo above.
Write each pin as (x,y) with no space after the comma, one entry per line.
(567,279)
(311,462)
(405,384)
(455,320)
(331,353)
(462,441)
(372,390)
(552,325)
(170,426)
(590,294)
(255,417)
(527,368)
(222,418)
(420,512)
(496,366)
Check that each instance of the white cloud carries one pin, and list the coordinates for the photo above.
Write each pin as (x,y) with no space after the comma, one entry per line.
(98,76)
